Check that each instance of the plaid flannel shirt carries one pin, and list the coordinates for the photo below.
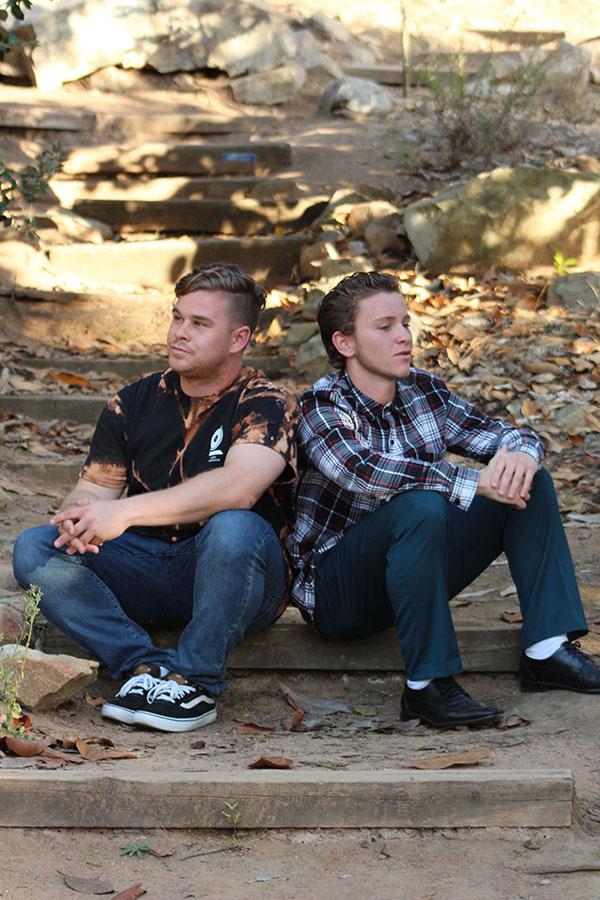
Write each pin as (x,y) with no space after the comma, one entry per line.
(356,454)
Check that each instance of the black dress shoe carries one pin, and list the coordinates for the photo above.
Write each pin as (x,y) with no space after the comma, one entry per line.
(444,703)
(568,669)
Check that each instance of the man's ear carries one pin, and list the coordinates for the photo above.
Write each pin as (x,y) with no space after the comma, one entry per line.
(343,343)
(240,338)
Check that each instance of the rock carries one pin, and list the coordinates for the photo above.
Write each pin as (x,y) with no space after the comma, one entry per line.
(356,96)
(312,254)
(363,214)
(586,163)
(77,37)
(312,301)
(72,225)
(312,360)
(510,218)
(49,679)
(359,56)
(269,88)
(578,291)
(7,579)
(380,238)
(300,332)
(566,63)
(572,418)
(328,29)
(11,619)
(340,205)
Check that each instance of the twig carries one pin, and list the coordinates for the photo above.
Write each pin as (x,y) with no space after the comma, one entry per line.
(214,850)
(566,870)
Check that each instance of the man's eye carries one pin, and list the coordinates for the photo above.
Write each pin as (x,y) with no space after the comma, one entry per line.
(384,327)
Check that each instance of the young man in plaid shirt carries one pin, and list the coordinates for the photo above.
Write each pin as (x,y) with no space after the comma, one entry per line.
(387,530)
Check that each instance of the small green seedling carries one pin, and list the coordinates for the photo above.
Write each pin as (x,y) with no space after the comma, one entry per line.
(562,265)
(138,850)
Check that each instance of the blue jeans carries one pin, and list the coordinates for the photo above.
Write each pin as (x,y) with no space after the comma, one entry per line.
(227,580)
(402,563)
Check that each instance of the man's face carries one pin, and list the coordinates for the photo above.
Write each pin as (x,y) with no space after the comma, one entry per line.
(201,337)
(382,343)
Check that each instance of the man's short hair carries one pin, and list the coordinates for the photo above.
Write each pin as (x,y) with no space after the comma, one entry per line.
(245,297)
(337,310)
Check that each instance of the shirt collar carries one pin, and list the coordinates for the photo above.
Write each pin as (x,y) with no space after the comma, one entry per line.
(171,382)
(372,407)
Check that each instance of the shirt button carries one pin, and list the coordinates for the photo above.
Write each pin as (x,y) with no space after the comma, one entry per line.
(173,539)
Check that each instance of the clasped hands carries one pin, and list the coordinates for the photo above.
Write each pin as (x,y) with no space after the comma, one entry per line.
(507,477)
(86,524)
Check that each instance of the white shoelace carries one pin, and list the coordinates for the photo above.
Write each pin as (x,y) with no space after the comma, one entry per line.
(170,691)
(137,684)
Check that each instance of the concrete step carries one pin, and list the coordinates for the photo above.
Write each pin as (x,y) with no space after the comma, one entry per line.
(46,118)
(303,798)
(179,159)
(158,264)
(238,217)
(68,190)
(130,367)
(291,644)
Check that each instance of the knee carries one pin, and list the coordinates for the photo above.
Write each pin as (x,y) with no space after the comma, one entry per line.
(428,509)
(235,532)
(31,551)
(542,487)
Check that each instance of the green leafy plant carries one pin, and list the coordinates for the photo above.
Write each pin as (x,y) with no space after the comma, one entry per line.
(233,815)
(9,40)
(476,117)
(139,850)
(18,189)
(11,676)
(562,265)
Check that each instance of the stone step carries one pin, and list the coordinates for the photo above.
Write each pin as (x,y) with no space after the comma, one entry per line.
(179,159)
(158,264)
(291,644)
(56,117)
(238,217)
(303,798)
(181,188)
(130,367)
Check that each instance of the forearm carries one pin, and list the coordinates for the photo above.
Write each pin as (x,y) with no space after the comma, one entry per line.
(194,500)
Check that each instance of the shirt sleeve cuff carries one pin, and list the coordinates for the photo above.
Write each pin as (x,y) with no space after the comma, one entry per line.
(464,486)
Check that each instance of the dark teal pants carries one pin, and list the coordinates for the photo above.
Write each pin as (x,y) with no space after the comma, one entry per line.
(402,563)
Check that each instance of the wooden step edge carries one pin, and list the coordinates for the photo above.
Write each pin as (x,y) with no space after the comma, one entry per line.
(302,798)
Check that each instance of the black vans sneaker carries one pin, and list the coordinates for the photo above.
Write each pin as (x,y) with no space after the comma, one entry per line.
(175,704)
(132,695)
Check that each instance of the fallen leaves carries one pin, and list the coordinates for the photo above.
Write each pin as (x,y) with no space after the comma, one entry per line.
(88,885)
(512,616)
(55,753)
(252,728)
(272,762)
(466,758)
(89,749)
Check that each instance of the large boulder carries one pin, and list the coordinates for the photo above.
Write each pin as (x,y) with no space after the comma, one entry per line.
(77,37)
(510,218)
(48,679)
(269,88)
(356,97)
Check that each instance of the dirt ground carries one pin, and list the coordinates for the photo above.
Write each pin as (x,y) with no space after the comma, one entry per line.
(559,729)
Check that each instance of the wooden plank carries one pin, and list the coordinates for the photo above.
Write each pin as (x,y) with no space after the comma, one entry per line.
(180,123)
(44,407)
(143,188)
(134,367)
(179,159)
(244,216)
(48,118)
(288,799)
(291,644)
(158,264)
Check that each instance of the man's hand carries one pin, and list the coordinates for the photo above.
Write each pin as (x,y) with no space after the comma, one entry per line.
(85,526)
(507,477)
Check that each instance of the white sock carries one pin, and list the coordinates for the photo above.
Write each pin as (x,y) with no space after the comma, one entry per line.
(544,649)
(417,685)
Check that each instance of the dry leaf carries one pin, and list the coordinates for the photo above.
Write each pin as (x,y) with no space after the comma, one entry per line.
(313,706)
(22,384)
(96,754)
(512,720)
(293,723)
(95,702)
(251,728)
(512,616)
(22,746)
(198,745)
(69,378)
(132,893)
(468,758)
(15,488)
(272,762)
(88,885)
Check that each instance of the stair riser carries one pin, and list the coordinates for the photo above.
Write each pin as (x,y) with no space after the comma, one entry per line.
(95,188)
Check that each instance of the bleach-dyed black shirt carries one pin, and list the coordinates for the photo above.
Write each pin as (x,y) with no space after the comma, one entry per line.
(151,436)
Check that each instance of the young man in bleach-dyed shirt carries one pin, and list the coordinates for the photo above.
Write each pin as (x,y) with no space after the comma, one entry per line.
(387,530)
